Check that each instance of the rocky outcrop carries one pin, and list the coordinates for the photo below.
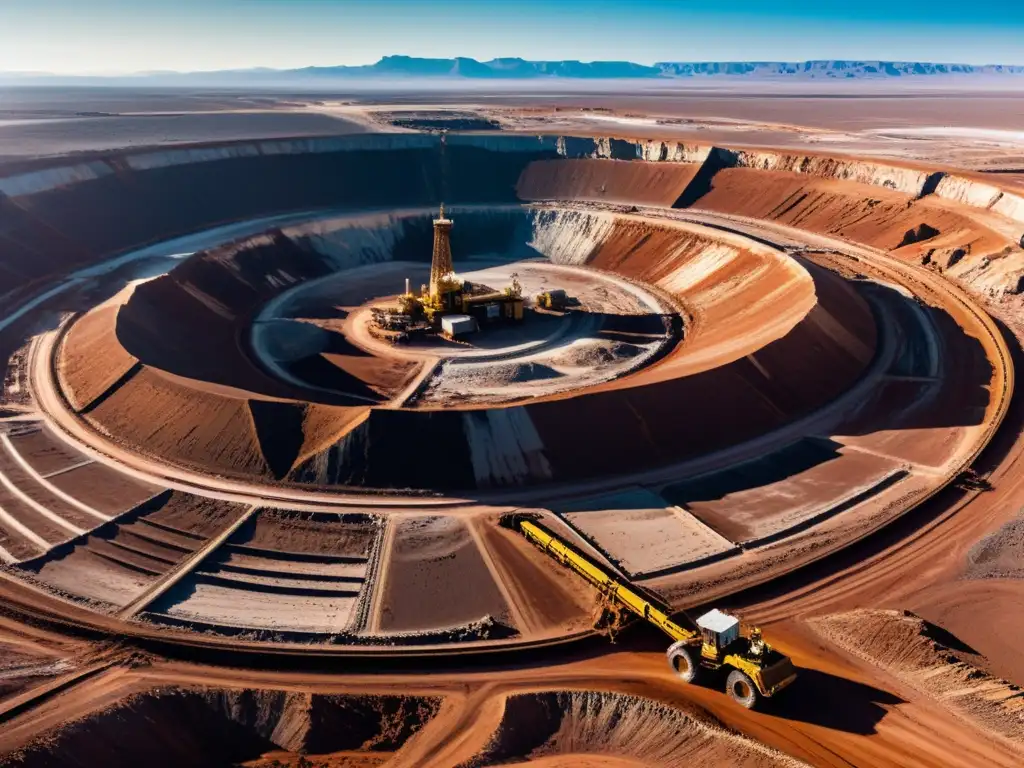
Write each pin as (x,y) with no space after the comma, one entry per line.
(907,180)
(967,191)
(1011,206)
(570,237)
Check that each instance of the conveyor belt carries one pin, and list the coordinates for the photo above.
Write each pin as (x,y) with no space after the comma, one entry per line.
(623,594)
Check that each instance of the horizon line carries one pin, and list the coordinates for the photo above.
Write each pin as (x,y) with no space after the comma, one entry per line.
(655,65)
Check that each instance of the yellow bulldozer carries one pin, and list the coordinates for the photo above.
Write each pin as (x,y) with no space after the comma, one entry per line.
(754,670)
(556,301)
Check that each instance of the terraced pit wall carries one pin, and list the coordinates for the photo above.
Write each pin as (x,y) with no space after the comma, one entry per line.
(67,214)
(796,335)
(58,218)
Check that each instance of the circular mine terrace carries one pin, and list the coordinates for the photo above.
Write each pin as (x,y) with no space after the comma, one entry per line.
(217,448)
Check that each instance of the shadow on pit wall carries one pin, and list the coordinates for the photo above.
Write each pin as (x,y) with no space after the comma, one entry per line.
(816,697)
(192,321)
(917,518)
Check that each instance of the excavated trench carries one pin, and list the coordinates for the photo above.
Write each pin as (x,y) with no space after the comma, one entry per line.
(185,383)
(754,371)
(217,727)
(770,340)
(253,727)
(195,386)
(568,724)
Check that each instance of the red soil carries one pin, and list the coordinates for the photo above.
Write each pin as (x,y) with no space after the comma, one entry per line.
(33,490)
(924,422)
(115,567)
(196,399)
(859,212)
(195,515)
(92,359)
(436,578)
(386,377)
(323,426)
(104,489)
(751,365)
(983,614)
(752,513)
(47,530)
(547,599)
(45,452)
(15,544)
(322,533)
(615,181)
(168,418)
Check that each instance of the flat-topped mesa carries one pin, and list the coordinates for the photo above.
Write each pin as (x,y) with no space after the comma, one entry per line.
(441,267)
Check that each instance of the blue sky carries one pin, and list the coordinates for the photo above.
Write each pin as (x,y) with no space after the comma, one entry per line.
(109,36)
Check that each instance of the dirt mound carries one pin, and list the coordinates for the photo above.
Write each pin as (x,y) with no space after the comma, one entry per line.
(1000,555)
(209,727)
(588,354)
(188,321)
(930,660)
(546,725)
(485,376)
(290,432)
(168,418)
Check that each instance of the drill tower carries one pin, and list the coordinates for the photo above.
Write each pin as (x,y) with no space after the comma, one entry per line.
(441,267)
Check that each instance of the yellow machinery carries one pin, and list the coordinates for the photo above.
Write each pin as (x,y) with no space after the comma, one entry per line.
(554,300)
(447,294)
(756,670)
(499,305)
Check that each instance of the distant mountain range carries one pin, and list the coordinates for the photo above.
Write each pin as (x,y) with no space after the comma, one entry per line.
(837,68)
(400,67)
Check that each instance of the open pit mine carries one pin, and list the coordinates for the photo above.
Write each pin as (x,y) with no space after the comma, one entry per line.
(296,469)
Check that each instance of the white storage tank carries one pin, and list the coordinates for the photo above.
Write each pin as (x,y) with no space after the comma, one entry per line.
(456,326)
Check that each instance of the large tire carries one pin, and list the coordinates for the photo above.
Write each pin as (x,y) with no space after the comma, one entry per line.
(684,660)
(742,690)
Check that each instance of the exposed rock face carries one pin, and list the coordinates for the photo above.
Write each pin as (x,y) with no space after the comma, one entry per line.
(932,661)
(909,181)
(611,724)
(215,727)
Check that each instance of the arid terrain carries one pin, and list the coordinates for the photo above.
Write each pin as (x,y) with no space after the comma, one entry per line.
(237,527)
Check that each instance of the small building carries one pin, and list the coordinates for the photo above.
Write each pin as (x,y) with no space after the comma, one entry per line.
(493,307)
(457,326)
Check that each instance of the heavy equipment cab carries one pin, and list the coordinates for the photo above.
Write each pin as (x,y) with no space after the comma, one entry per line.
(755,670)
(719,631)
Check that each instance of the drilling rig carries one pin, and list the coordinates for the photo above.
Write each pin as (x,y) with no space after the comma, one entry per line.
(448,302)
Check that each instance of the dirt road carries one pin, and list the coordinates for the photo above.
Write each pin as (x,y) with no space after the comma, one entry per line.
(844,710)
(844,713)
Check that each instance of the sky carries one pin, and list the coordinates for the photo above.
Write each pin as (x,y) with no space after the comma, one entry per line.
(122,36)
